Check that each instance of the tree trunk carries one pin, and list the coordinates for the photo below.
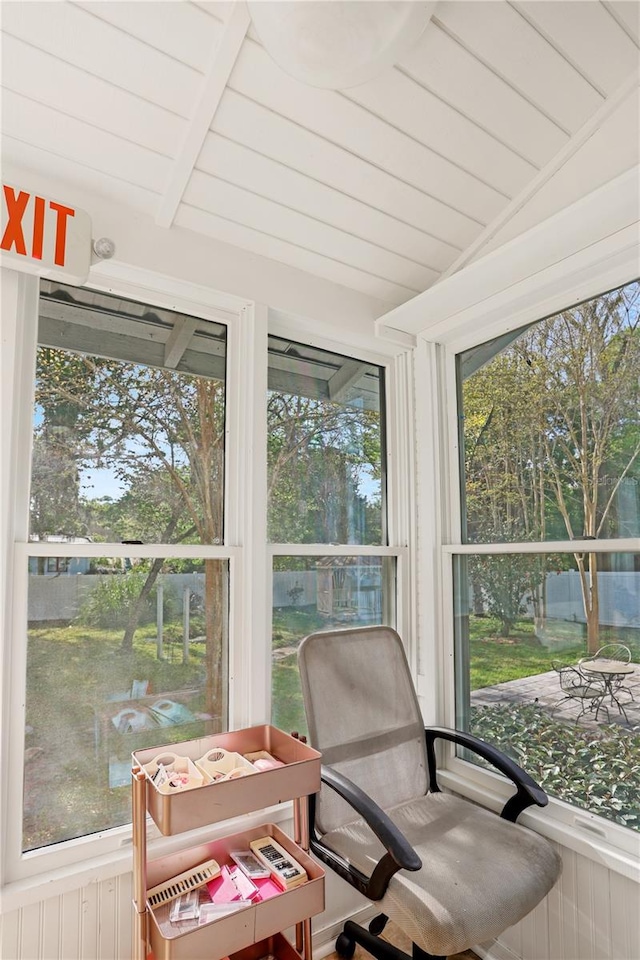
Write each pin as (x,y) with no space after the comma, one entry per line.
(589,584)
(138,606)
(593,616)
(152,576)
(213,631)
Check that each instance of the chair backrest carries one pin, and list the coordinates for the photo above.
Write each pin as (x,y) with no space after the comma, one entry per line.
(571,680)
(613,651)
(363,715)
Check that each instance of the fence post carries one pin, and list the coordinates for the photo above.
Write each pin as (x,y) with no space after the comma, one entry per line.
(159,619)
(185,624)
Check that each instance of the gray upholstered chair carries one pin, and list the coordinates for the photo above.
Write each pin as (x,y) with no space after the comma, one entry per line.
(449,873)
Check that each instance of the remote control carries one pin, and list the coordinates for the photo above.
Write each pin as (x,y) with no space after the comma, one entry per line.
(285,871)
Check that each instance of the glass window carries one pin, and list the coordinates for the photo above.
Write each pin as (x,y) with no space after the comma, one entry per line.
(116,660)
(550,450)
(325,447)
(326,476)
(527,679)
(321,593)
(122,652)
(128,422)
(550,434)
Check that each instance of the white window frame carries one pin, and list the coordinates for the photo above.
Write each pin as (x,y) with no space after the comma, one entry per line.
(24,878)
(400,481)
(585,832)
(590,247)
(18,868)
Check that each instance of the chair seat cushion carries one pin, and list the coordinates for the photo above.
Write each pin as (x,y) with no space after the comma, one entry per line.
(480,874)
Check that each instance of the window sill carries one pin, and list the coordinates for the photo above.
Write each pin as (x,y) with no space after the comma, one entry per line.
(53,882)
(609,844)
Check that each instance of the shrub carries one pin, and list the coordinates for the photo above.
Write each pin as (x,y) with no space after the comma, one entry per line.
(109,603)
(597,770)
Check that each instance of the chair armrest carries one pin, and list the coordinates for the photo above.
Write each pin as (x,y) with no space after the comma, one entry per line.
(400,854)
(528,792)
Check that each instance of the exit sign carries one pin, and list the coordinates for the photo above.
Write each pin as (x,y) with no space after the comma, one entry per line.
(43,236)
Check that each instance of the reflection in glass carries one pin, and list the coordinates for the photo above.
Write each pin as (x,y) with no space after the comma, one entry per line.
(550,426)
(128,422)
(325,447)
(519,618)
(121,655)
(321,593)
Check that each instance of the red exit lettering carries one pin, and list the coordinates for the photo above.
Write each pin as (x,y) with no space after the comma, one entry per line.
(17,205)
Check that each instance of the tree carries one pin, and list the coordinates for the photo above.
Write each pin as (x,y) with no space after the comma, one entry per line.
(55,489)
(547,421)
(162,433)
(318,454)
(506,582)
(587,367)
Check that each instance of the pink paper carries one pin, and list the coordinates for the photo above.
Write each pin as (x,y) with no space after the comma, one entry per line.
(223,889)
(246,888)
(267,888)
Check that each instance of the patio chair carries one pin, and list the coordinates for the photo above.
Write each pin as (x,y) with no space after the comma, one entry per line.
(610,651)
(588,691)
(447,872)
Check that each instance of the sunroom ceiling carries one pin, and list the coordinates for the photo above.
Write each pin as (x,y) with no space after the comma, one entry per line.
(501,114)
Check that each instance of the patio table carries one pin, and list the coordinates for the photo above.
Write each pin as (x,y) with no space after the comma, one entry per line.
(609,671)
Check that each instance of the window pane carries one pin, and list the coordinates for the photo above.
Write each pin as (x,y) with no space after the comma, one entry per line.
(128,422)
(325,447)
(520,620)
(550,427)
(121,655)
(321,593)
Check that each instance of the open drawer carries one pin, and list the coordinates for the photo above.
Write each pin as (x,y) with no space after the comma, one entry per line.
(189,941)
(298,776)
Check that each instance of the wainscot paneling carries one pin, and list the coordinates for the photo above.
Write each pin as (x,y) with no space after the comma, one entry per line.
(592,914)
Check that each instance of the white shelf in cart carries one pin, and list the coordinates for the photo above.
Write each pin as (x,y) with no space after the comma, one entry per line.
(212,803)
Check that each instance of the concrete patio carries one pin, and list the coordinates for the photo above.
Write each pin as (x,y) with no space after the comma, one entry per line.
(544,689)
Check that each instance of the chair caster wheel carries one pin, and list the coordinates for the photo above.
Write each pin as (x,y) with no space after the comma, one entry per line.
(378,924)
(345,947)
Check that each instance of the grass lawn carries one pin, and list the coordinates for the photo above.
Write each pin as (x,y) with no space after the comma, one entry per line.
(495,659)
(290,625)
(74,675)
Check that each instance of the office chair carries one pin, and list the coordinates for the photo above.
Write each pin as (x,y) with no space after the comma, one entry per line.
(448,873)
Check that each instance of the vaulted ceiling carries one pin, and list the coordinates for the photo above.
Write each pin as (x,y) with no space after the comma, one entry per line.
(501,114)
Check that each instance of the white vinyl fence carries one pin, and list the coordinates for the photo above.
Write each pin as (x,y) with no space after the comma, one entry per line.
(59,596)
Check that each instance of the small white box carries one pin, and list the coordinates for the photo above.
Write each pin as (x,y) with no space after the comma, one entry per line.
(221,764)
(170,773)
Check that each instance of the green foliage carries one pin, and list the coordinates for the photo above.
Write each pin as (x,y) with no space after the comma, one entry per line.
(319,455)
(507,583)
(597,771)
(109,603)
(550,417)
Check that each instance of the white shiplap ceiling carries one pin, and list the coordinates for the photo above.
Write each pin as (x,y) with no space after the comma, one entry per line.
(502,113)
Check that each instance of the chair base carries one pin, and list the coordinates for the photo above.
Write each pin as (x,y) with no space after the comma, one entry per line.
(353,934)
